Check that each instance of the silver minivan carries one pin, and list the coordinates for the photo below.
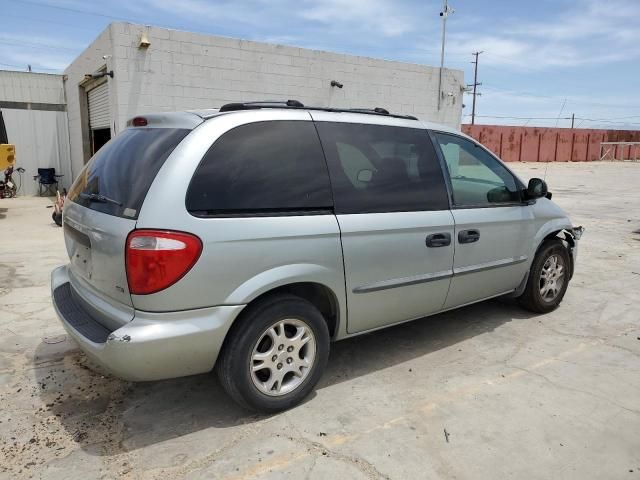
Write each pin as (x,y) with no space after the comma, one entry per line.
(249,237)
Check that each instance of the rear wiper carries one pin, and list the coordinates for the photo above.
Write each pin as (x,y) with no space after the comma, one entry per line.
(96,197)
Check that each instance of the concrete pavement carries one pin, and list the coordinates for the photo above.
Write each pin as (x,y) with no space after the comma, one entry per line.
(489,391)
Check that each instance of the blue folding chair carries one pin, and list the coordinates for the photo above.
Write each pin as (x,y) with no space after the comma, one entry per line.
(47,181)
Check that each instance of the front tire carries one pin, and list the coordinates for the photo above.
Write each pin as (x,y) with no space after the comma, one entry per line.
(274,354)
(548,278)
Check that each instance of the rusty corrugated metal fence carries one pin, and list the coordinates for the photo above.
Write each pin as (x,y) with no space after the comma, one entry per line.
(541,144)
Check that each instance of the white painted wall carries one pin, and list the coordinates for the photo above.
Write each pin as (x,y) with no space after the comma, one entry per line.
(41,137)
(42,141)
(183,70)
(31,87)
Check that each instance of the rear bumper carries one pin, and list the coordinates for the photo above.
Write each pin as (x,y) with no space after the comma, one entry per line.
(152,346)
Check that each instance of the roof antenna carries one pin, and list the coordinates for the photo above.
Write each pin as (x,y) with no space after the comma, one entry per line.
(564,102)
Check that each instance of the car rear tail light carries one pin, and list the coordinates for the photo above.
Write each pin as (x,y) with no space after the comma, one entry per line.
(139,122)
(156,259)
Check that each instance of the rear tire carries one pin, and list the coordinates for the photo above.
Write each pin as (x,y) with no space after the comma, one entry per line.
(548,278)
(274,354)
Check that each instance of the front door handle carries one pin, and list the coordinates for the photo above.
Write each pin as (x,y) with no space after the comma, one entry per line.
(438,240)
(468,236)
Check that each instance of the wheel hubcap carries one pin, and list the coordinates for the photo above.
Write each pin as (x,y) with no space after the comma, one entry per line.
(282,357)
(552,278)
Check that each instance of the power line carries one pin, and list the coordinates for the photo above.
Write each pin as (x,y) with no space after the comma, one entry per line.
(24,67)
(52,22)
(518,118)
(69,9)
(36,45)
(583,119)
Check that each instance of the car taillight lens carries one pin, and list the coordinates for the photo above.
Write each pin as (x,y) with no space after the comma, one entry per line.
(139,122)
(156,259)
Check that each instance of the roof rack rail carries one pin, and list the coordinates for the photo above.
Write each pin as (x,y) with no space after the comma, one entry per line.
(379,110)
(295,104)
(230,107)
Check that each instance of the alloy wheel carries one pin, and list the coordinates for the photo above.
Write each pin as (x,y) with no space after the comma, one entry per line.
(282,357)
(552,278)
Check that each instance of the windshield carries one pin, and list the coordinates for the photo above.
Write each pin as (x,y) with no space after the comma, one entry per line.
(117,178)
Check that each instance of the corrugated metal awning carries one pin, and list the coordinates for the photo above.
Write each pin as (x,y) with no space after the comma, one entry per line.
(99,107)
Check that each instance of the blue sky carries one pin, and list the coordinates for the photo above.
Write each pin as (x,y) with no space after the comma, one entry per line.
(542,59)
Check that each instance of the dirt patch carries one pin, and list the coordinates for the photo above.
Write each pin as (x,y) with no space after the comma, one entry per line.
(68,405)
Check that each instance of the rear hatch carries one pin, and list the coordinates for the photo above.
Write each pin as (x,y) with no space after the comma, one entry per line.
(103,204)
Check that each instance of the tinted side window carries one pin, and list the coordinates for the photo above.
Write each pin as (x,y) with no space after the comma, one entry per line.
(262,167)
(376,168)
(477,178)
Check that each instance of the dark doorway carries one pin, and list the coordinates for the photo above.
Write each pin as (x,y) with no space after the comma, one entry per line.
(3,130)
(99,137)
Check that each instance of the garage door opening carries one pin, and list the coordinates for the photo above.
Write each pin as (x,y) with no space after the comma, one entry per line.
(99,137)
(99,116)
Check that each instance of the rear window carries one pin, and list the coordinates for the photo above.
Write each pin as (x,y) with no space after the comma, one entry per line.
(117,178)
(262,168)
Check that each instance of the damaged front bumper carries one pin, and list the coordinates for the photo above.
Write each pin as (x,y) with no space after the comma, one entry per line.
(153,345)
(573,236)
(576,232)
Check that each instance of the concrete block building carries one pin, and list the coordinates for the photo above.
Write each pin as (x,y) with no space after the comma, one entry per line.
(156,69)
(60,121)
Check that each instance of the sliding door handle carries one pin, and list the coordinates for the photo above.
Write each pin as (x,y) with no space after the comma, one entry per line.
(438,240)
(468,236)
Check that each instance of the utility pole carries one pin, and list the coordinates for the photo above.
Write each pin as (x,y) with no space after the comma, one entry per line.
(444,14)
(573,118)
(475,84)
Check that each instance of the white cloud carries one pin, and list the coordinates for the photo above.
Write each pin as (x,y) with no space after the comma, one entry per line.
(589,33)
(382,15)
(204,11)
(387,17)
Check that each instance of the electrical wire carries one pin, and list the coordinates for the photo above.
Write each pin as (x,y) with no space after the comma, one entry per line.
(23,67)
(52,22)
(69,9)
(583,119)
(36,45)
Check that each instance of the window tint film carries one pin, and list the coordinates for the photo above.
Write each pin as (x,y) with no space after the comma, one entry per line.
(262,167)
(122,171)
(376,168)
(477,178)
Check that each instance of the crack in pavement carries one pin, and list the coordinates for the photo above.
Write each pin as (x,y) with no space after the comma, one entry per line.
(203,462)
(573,389)
(364,466)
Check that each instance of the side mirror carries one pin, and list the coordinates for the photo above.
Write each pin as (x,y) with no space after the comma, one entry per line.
(537,188)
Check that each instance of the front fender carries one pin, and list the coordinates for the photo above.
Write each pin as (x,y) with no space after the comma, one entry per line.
(549,218)
(552,226)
